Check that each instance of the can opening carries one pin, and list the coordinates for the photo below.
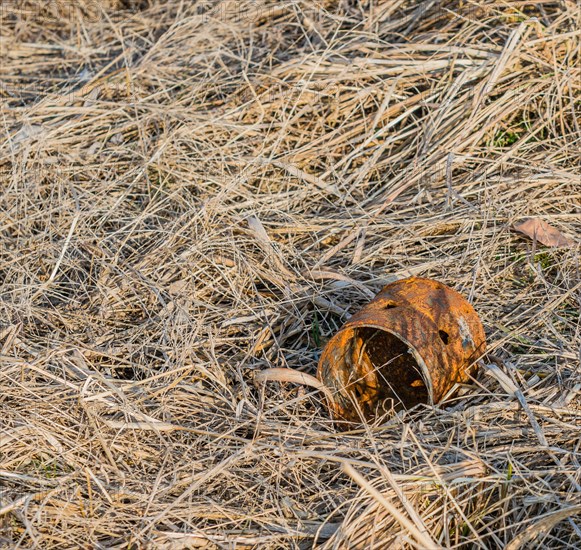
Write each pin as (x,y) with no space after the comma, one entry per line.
(382,373)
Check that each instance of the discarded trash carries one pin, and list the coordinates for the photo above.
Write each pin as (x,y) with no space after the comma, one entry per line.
(411,344)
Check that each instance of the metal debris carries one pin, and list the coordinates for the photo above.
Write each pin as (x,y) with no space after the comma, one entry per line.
(411,344)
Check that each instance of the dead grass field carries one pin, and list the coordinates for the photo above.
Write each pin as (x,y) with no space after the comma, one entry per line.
(367,141)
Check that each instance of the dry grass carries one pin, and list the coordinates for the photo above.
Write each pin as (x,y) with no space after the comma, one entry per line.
(364,141)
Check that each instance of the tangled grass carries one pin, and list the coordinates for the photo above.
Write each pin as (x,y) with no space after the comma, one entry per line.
(191,192)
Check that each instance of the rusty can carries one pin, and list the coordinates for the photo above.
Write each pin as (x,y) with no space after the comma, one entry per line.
(411,344)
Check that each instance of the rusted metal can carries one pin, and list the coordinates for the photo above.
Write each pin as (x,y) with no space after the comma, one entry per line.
(411,344)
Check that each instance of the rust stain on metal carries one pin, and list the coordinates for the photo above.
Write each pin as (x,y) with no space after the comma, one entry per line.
(409,345)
